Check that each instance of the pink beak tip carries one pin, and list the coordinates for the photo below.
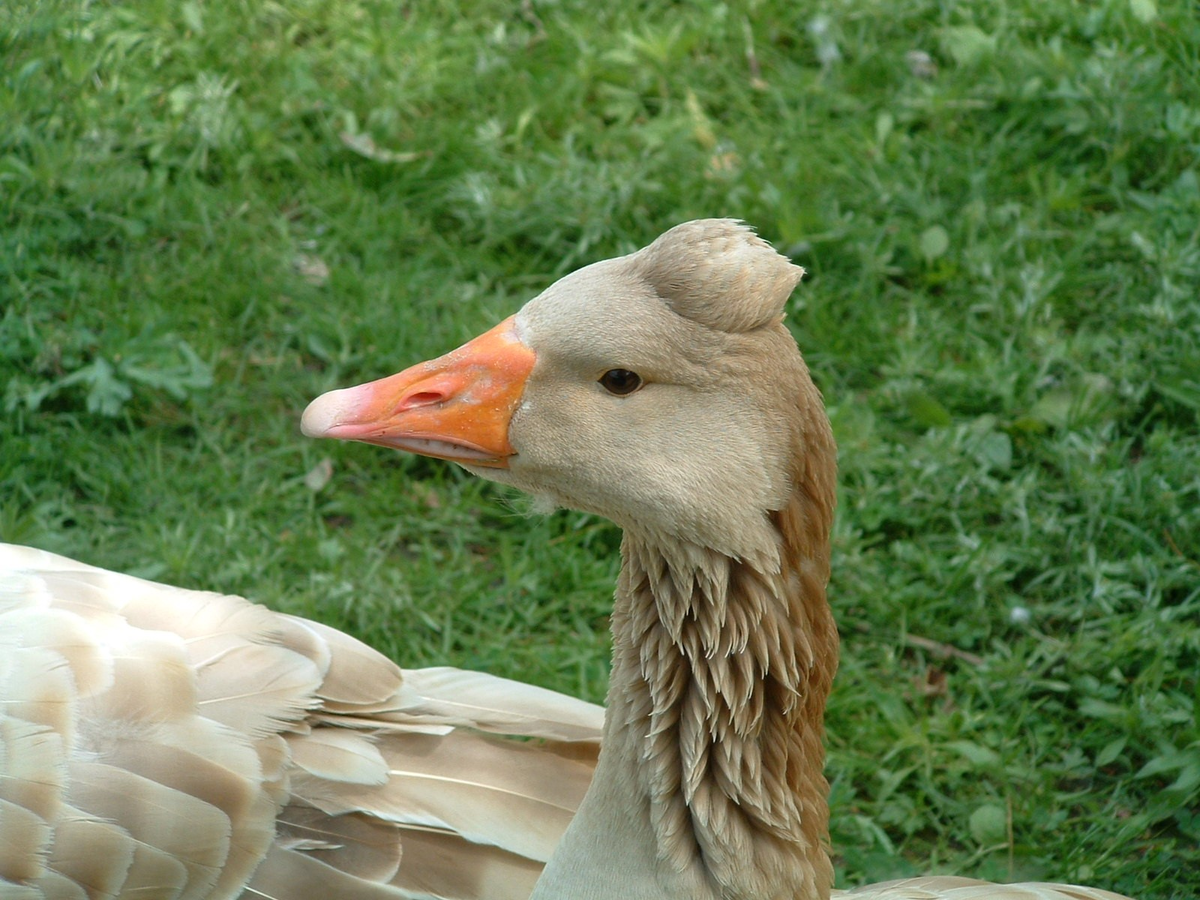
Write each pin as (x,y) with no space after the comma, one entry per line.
(323,414)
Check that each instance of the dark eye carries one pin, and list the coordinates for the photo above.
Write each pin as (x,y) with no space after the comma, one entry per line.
(621,381)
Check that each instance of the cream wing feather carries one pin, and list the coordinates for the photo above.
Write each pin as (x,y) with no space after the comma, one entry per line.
(157,742)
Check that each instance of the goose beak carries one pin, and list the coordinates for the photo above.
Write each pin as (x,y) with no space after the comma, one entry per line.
(455,407)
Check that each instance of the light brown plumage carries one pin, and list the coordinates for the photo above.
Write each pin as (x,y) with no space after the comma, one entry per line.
(716,458)
(163,743)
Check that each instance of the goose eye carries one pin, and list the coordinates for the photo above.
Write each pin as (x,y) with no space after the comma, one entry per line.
(621,381)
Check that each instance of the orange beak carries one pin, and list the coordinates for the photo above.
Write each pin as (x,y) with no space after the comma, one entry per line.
(456,407)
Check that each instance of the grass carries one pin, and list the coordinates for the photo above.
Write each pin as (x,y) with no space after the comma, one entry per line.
(212,211)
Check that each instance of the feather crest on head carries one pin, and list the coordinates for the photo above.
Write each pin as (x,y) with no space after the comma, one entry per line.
(719,273)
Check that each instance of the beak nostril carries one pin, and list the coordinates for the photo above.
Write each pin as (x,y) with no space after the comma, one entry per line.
(422,398)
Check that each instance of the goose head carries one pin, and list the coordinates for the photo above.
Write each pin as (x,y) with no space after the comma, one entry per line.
(658,389)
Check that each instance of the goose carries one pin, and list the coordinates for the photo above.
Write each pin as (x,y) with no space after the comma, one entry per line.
(157,742)
(662,390)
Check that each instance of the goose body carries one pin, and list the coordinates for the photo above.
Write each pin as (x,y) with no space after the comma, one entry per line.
(659,389)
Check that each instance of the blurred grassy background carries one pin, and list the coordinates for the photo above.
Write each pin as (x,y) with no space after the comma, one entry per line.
(212,211)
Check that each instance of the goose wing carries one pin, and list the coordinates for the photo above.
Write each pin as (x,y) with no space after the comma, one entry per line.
(159,742)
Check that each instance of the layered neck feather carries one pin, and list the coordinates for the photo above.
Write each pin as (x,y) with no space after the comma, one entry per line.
(710,772)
